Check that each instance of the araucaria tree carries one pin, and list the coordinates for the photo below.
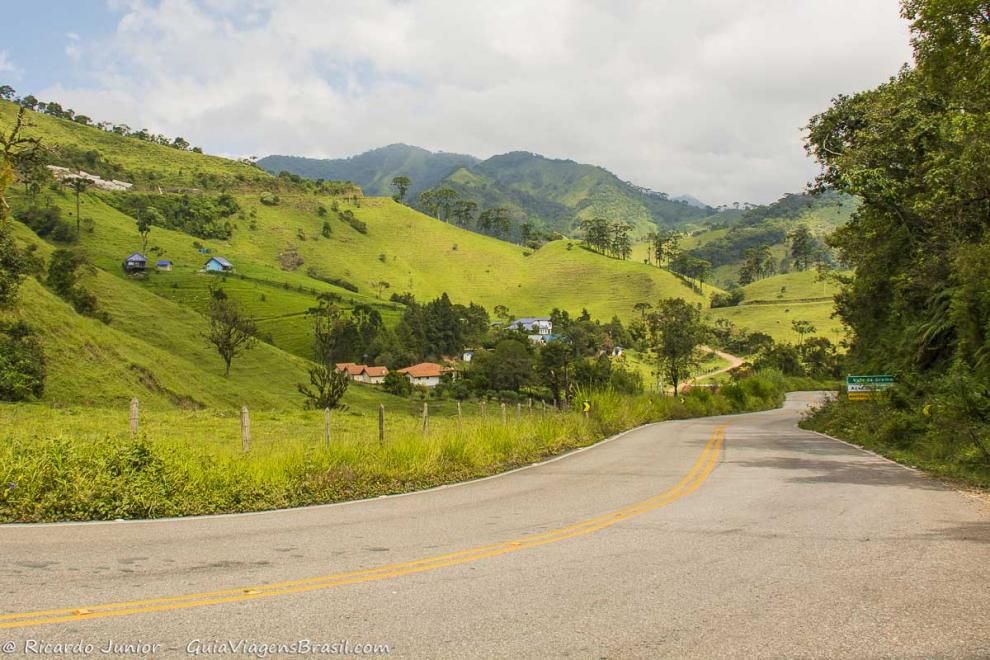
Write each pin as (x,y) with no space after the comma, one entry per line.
(400,185)
(78,186)
(327,385)
(231,331)
(675,332)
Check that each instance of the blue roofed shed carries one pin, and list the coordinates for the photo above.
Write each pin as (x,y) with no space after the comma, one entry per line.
(218,265)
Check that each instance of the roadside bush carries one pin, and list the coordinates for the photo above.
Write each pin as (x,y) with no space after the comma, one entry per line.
(22,363)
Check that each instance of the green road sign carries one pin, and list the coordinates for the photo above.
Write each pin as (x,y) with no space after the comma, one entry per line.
(864,387)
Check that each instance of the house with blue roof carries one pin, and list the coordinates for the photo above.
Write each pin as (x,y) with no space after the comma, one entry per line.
(218,265)
(539,328)
(135,263)
(163,265)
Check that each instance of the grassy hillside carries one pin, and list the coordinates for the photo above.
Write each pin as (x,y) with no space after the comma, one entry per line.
(152,164)
(775,320)
(801,285)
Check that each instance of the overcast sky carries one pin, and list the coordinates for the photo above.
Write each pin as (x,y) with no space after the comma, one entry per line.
(706,97)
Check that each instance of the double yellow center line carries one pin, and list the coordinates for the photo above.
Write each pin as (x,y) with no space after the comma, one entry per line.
(688,484)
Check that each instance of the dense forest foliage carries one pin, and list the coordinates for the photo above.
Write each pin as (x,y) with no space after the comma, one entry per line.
(916,150)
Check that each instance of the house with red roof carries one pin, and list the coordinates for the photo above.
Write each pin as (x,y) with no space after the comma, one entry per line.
(372,375)
(425,374)
(353,370)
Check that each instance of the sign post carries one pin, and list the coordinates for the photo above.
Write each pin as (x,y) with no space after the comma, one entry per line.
(863,388)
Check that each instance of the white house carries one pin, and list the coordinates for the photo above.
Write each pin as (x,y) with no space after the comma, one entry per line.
(539,328)
(425,374)
(372,375)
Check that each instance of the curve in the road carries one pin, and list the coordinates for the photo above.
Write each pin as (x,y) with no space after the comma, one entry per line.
(690,482)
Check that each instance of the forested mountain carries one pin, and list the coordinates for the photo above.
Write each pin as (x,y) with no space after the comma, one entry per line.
(547,194)
(558,194)
(374,170)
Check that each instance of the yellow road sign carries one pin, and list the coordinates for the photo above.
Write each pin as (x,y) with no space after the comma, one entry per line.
(587,406)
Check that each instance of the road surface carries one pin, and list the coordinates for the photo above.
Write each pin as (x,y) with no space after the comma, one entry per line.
(735,536)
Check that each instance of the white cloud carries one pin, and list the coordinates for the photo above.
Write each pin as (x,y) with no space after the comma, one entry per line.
(704,97)
(6,66)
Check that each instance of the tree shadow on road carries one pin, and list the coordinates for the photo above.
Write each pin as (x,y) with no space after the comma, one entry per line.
(859,472)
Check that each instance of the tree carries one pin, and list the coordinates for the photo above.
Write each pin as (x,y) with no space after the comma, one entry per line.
(326,388)
(554,366)
(463,212)
(145,221)
(231,331)
(381,285)
(444,199)
(397,383)
(914,150)
(496,221)
(675,332)
(22,363)
(78,185)
(802,247)
(400,184)
(641,307)
(508,367)
(428,200)
(802,327)
(621,243)
(7,92)
(597,234)
(14,150)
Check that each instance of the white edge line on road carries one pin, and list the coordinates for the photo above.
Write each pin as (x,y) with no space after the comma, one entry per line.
(868,451)
(308,507)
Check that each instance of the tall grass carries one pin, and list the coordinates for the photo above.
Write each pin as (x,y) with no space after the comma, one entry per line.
(62,466)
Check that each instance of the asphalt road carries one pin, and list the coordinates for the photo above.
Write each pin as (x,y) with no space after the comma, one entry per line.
(735,536)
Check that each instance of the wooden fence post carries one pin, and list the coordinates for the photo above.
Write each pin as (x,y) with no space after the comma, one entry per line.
(504,419)
(426,419)
(245,429)
(326,427)
(134,418)
(482,407)
(518,411)
(381,423)
(458,411)
(529,404)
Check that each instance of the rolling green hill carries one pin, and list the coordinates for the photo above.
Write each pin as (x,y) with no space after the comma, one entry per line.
(771,304)
(152,347)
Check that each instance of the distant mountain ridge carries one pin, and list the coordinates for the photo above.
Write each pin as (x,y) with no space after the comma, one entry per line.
(553,194)
(374,170)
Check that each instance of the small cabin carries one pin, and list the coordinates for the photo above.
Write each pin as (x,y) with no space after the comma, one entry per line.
(164,265)
(218,265)
(136,263)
